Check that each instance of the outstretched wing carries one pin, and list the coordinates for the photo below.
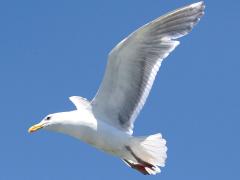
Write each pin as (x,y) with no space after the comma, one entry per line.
(134,63)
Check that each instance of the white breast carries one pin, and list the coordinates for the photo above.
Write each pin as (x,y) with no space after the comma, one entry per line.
(84,126)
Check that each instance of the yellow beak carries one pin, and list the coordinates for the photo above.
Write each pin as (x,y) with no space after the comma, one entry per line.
(35,127)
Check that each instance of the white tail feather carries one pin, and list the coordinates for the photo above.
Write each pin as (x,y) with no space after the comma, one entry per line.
(149,150)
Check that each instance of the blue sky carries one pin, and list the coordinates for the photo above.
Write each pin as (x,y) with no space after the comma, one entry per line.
(50,50)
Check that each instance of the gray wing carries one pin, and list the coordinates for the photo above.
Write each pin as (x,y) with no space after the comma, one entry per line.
(134,63)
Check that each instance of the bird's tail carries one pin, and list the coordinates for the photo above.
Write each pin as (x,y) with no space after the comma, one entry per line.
(147,153)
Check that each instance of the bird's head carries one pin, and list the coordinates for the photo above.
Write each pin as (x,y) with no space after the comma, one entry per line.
(50,121)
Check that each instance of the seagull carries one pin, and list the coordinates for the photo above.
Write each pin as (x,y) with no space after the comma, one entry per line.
(106,122)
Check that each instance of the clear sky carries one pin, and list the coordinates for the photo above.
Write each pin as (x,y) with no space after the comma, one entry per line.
(50,50)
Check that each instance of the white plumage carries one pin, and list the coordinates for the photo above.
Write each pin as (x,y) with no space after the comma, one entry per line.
(107,121)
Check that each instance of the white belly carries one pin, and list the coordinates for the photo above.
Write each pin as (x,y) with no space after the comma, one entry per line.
(99,134)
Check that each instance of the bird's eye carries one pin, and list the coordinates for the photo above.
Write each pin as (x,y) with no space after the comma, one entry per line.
(48,118)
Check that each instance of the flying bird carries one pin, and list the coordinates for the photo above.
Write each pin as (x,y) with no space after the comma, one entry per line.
(106,122)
